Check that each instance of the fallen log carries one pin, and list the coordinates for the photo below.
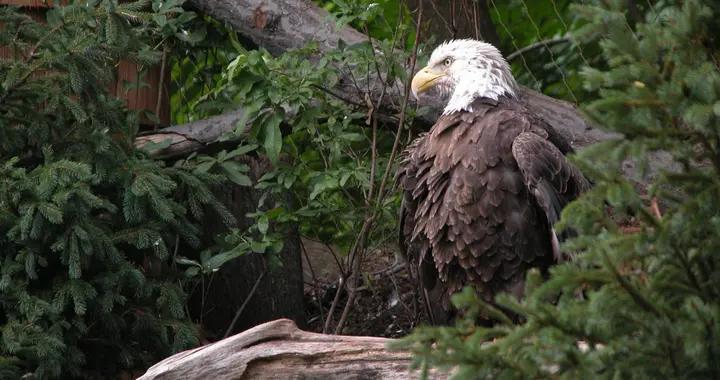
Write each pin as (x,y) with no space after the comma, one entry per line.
(279,350)
(280,25)
(179,140)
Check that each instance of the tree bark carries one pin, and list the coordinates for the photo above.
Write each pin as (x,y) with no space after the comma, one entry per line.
(280,25)
(218,304)
(279,350)
(190,137)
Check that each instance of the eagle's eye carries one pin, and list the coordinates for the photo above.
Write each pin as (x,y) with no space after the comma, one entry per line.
(447,62)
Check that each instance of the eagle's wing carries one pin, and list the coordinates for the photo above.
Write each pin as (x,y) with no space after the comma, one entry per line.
(553,181)
(420,260)
(406,179)
(418,253)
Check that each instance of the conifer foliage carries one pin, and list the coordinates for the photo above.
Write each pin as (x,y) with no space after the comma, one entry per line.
(640,301)
(88,224)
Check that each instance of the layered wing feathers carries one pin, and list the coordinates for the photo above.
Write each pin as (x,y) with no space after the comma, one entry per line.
(547,173)
(481,190)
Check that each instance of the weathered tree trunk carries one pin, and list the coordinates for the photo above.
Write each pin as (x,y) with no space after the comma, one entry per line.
(232,301)
(279,25)
(279,350)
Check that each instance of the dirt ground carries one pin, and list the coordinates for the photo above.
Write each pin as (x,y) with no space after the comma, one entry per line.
(386,305)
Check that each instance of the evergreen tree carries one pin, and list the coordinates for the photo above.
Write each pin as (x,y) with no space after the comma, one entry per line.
(88,223)
(641,302)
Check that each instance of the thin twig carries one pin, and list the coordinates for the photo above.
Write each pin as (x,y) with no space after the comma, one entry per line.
(453,20)
(384,117)
(338,96)
(442,18)
(538,45)
(395,268)
(399,293)
(346,310)
(334,303)
(358,247)
(202,298)
(315,281)
(403,109)
(552,55)
(207,289)
(354,264)
(512,40)
(161,84)
(475,21)
(373,161)
(242,307)
(335,257)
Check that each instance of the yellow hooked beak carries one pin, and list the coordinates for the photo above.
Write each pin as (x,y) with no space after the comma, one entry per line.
(424,80)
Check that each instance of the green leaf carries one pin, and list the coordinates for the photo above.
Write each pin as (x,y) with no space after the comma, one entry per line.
(204,166)
(325,183)
(344,178)
(273,136)
(192,272)
(185,261)
(258,246)
(241,150)
(234,172)
(352,137)
(216,261)
(262,224)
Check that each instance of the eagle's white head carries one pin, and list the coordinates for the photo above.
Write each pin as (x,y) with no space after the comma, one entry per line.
(465,70)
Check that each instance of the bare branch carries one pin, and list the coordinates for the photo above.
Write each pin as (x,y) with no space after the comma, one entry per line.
(242,307)
(537,45)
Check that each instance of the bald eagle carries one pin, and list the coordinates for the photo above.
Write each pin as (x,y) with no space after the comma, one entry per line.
(482,188)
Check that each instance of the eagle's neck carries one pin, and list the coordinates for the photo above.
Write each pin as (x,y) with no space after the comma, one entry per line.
(485,79)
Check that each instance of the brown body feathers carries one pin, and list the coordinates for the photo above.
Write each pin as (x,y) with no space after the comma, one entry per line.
(481,192)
